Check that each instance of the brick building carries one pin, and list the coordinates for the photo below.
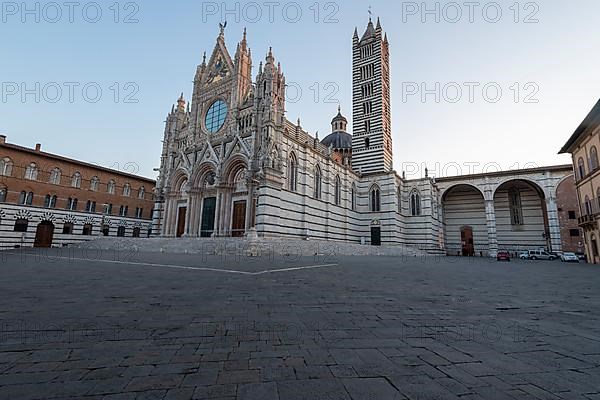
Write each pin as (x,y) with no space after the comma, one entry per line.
(568,214)
(47,199)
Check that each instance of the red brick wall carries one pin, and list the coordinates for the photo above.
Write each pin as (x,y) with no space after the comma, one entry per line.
(566,201)
(16,183)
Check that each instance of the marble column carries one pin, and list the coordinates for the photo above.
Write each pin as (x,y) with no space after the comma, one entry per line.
(553,224)
(490,214)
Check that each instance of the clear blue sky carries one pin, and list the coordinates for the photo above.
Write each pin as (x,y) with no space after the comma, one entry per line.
(558,55)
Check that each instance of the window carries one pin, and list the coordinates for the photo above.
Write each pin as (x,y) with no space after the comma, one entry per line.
(141,193)
(588,206)
(94,183)
(353,197)
(572,215)
(399,199)
(375,199)
(593,158)
(68,228)
(76,180)
(72,204)
(121,231)
(516,210)
(111,187)
(55,176)
(574,233)
(415,203)
(581,168)
(108,209)
(6,166)
(47,201)
(21,225)
(31,172)
(22,198)
(139,212)
(3,194)
(215,116)
(338,191)
(90,206)
(123,211)
(293,173)
(53,201)
(318,183)
(367,143)
(127,190)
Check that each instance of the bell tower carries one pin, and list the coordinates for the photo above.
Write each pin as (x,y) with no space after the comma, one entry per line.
(372,124)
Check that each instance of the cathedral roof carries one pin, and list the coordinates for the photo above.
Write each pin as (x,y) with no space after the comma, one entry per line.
(338,140)
(370,32)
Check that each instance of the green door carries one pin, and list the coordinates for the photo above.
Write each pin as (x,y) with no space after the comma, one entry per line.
(208,217)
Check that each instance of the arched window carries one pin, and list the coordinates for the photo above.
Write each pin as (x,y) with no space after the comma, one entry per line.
(55,176)
(3,194)
(31,172)
(293,173)
(111,187)
(338,191)
(415,203)
(141,193)
(588,206)
(375,199)
(21,225)
(47,201)
(593,158)
(353,197)
(6,166)
(127,190)
(581,168)
(68,228)
(53,201)
(29,200)
(318,183)
(76,180)
(94,183)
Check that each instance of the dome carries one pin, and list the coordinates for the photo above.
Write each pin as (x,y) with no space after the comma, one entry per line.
(338,140)
(339,117)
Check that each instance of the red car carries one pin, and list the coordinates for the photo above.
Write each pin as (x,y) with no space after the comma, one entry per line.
(503,255)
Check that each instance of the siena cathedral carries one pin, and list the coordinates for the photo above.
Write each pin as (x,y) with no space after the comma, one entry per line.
(232,165)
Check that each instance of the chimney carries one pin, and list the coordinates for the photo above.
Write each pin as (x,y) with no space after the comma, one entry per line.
(2,139)
(38,147)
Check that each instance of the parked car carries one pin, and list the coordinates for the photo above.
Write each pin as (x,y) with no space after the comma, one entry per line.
(503,255)
(541,255)
(569,257)
(524,255)
(557,254)
(581,256)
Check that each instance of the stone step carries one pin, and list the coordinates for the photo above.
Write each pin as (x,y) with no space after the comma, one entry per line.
(248,247)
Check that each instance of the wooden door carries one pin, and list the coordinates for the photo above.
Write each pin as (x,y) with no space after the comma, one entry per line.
(207,227)
(182,212)
(44,235)
(466,237)
(376,236)
(238,227)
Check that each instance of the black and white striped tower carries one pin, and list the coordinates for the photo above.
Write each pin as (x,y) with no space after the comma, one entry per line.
(372,124)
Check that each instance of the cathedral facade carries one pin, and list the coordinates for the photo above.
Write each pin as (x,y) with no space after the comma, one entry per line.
(232,165)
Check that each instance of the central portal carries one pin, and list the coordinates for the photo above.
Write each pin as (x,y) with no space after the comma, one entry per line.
(238,227)
(208,217)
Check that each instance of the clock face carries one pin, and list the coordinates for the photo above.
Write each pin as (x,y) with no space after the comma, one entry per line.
(215,116)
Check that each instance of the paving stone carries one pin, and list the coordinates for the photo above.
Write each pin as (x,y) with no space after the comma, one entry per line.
(258,391)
